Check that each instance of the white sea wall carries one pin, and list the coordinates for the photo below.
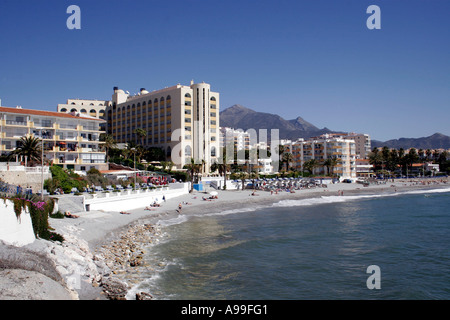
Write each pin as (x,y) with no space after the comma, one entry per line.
(15,231)
(130,200)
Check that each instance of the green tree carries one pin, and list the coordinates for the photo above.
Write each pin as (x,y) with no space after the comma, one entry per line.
(193,169)
(376,159)
(311,165)
(30,148)
(330,163)
(109,143)
(287,158)
(141,134)
(223,167)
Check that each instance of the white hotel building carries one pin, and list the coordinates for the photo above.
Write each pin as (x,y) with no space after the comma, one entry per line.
(189,115)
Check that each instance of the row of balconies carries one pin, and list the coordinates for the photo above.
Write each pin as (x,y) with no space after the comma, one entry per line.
(31,124)
(6,135)
(57,149)
(77,161)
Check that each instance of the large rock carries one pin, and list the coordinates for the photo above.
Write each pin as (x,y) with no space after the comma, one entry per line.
(19,284)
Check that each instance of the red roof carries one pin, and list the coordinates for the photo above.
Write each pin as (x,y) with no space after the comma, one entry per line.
(44,113)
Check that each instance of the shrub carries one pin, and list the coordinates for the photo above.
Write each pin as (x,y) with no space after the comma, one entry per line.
(39,212)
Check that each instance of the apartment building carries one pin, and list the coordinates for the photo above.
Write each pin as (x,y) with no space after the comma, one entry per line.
(181,120)
(363,145)
(362,142)
(93,108)
(71,140)
(321,149)
(238,138)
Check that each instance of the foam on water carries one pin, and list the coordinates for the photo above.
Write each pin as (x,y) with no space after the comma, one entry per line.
(336,199)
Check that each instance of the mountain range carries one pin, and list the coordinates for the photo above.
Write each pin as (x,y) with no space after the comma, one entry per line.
(240,117)
(435,141)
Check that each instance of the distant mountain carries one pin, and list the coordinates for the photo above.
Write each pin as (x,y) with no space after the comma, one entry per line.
(435,141)
(240,117)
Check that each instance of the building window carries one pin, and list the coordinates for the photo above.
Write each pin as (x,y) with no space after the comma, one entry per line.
(187,151)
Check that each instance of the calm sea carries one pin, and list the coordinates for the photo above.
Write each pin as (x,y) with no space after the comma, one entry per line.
(308,249)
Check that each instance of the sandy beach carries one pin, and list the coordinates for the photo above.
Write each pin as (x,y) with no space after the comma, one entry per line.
(104,247)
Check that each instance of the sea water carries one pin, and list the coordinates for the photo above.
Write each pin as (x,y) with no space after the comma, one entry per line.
(308,249)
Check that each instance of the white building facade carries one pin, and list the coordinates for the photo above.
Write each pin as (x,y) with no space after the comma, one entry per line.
(70,140)
(181,120)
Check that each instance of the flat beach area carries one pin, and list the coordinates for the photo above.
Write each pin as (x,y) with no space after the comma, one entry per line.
(101,244)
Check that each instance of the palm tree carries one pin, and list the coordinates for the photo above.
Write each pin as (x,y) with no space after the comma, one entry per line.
(192,168)
(223,167)
(109,143)
(141,133)
(310,165)
(30,148)
(334,161)
(287,158)
(242,175)
(376,159)
(428,152)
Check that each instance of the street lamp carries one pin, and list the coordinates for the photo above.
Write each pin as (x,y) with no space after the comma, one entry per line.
(134,154)
(42,167)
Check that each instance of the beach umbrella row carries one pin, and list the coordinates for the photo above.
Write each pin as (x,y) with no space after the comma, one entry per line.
(282,183)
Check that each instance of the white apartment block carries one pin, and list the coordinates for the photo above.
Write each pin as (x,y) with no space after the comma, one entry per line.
(265,166)
(240,139)
(321,149)
(93,108)
(70,140)
(181,120)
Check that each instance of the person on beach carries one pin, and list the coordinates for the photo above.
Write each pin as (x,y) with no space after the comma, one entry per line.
(179,208)
(69,215)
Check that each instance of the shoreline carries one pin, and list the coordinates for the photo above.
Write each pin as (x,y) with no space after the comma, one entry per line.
(103,250)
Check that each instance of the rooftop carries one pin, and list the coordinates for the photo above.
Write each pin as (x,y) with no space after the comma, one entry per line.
(46,113)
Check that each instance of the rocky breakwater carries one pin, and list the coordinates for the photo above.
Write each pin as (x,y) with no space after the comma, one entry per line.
(123,258)
(107,273)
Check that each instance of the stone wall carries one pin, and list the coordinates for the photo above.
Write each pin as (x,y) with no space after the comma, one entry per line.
(24,179)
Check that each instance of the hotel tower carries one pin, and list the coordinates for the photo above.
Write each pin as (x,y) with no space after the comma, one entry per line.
(181,120)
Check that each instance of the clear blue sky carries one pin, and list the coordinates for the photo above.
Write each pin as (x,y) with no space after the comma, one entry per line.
(315,59)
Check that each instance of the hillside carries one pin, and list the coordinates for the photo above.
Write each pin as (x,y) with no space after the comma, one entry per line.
(435,141)
(240,117)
